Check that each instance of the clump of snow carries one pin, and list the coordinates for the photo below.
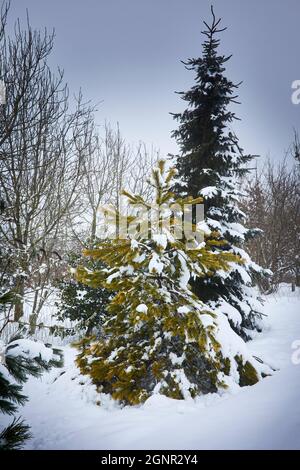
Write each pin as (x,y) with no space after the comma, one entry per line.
(206,320)
(160,239)
(183,309)
(155,265)
(30,349)
(231,312)
(112,277)
(142,308)
(80,294)
(176,360)
(127,270)
(139,258)
(209,192)
(134,244)
(158,401)
(185,272)
(242,272)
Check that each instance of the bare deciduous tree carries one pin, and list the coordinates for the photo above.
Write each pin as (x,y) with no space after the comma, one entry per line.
(43,145)
(56,168)
(110,166)
(273,204)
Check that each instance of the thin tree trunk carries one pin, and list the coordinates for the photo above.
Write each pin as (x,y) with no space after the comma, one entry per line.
(19,305)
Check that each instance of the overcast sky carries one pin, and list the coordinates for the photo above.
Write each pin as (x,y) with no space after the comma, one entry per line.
(126,54)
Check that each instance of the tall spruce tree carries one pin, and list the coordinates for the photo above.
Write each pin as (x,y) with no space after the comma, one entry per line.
(158,336)
(211,164)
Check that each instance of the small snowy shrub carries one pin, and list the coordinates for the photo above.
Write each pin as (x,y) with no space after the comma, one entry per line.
(158,336)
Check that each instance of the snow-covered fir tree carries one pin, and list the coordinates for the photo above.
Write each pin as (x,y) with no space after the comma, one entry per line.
(159,337)
(211,164)
(19,359)
(84,306)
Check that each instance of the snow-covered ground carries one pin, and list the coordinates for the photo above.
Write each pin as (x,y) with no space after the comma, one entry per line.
(64,412)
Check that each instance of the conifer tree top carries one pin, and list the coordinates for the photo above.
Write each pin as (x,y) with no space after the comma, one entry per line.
(209,147)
